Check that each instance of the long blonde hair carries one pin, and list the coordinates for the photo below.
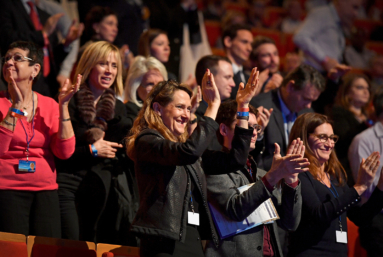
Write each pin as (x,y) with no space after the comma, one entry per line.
(163,94)
(96,52)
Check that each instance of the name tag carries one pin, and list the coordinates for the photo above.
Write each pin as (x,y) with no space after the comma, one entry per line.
(193,218)
(341,237)
(27,166)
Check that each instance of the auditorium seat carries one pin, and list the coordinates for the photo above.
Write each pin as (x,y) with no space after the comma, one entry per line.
(13,245)
(354,247)
(108,250)
(213,31)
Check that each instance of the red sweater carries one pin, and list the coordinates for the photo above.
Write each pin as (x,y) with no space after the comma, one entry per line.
(43,146)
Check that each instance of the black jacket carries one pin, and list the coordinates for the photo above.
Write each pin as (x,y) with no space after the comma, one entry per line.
(164,170)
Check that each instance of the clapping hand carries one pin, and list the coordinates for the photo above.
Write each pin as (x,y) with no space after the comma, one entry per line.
(245,94)
(67,92)
(367,172)
(209,89)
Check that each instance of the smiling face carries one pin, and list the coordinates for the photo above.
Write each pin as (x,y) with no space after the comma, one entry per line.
(176,114)
(268,57)
(359,93)
(107,29)
(20,70)
(159,48)
(104,73)
(224,79)
(321,150)
(150,79)
(239,48)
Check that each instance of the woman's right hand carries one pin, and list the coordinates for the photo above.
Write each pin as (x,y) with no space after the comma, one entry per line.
(106,149)
(14,91)
(209,89)
(367,171)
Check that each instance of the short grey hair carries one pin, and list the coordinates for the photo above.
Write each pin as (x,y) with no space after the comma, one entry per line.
(141,65)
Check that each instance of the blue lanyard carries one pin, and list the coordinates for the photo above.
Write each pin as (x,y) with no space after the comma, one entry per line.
(191,201)
(335,196)
(33,126)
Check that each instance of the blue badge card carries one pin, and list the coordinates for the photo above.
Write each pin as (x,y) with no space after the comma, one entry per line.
(27,166)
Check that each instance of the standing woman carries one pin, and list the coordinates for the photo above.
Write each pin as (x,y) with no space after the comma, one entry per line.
(349,114)
(33,129)
(327,201)
(93,179)
(173,216)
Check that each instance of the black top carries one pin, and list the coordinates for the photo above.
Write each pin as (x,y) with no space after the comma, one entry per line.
(316,234)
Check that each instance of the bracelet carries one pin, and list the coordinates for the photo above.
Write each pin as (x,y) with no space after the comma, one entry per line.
(243,117)
(16,113)
(242,114)
(243,109)
(94,150)
(66,119)
(193,121)
(8,123)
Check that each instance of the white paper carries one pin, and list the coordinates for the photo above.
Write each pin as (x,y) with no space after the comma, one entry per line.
(193,218)
(264,214)
(341,237)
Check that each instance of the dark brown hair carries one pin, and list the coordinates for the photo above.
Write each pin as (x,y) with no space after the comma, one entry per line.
(146,40)
(303,126)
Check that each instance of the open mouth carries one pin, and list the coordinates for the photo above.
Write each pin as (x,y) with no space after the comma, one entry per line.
(106,79)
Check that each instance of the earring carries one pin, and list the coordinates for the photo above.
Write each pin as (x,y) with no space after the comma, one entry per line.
(33,76)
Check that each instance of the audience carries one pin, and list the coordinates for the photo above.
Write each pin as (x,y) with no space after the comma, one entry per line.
(376,73)
(321,36)
(356,54)
(33,129)
(96,199)
(143,76)
(364,143)
(350,115)
(327,201)
(292,21)
(236,40)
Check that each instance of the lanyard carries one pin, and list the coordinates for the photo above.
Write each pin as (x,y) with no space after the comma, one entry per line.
(335,196)
(191,201)
(33,126)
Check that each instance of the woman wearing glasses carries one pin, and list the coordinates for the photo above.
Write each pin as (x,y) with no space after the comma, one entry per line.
(327,201)
(33,130)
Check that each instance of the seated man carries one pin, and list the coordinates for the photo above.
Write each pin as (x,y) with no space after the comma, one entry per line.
(224,196)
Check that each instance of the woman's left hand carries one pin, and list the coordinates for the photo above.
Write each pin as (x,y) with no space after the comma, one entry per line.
(67,92)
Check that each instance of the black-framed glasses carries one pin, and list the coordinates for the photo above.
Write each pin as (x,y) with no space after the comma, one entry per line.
(257,127)
(16,58)
(323,137)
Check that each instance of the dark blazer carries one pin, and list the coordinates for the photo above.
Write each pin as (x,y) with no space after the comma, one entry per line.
(346,126)
(275,131)
(200,112)
(15,24)
(223,194)
(315,235)
(238,80)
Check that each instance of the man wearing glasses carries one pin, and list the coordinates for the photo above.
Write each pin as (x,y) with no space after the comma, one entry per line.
(223,194)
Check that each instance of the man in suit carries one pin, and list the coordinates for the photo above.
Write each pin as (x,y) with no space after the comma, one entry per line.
(265,57)
(298,90)
(222,70)
(236,40)
(23,20)
(224,196)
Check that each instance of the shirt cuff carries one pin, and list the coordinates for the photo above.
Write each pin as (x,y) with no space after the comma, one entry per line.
(269,187)
(293,185)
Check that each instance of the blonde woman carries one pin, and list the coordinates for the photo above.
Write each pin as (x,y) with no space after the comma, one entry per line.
(143,75)
(100,123)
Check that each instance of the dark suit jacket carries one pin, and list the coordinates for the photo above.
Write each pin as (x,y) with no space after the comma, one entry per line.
(238,80)
(15,24)
(275,131)
(223,194)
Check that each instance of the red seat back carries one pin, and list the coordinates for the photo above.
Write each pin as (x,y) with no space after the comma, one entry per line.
(13,249)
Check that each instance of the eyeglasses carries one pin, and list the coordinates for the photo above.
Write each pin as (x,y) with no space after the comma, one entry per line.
(257,127)
(16,58)
(323,137)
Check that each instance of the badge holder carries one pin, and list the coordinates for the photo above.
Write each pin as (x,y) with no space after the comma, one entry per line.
(193,217)
(27,166)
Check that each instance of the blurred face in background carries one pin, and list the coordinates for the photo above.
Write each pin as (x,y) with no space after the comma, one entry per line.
(359,93)
(150,79)
(160,49)
(348,10)
(107,29)
(267,57)
(224,79)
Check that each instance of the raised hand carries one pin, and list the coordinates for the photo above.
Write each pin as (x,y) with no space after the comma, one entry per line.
(106,149)
(367,172)
(338,71)
(209,89)
(245,94)
(51,23)
(14,91)
(75,32)
(284,167)
(67,92)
